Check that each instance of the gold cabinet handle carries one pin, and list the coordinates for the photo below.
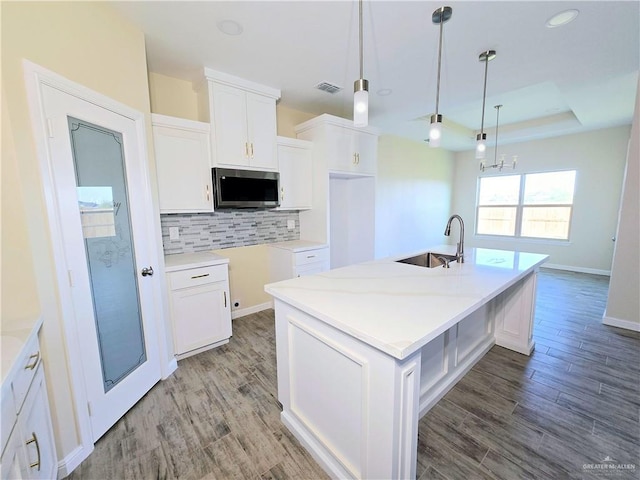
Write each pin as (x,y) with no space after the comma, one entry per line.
(207,188)
(225,299)
(35,357)
(34,439)
(357,159)
(251,149)
(281,193)
(246,149)
(354,159)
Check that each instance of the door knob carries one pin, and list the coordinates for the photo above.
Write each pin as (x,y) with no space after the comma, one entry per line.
(147,272)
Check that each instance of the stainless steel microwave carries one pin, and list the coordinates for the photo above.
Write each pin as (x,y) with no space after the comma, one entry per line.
(235,188)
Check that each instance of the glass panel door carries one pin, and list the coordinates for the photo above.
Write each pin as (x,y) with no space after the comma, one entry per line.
(104,211)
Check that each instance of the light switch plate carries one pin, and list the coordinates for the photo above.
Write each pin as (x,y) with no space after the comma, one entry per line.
(291,224)
(174,233)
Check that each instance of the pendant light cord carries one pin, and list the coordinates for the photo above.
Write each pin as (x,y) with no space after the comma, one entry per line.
(439,61)
(361,44)
(484,94)
(495,153)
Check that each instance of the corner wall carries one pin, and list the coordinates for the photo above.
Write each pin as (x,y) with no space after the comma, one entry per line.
(597,156)
(623,304)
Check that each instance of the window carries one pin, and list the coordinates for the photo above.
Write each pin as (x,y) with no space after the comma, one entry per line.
(534,205)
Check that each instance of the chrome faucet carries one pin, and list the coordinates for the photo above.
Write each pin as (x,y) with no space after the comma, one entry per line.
(460,246)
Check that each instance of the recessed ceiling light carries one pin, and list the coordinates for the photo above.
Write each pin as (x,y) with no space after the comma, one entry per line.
(383,92)
(562,18)
(229,27)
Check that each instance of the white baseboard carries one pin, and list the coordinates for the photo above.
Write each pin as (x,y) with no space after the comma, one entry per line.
(171,367)
(570,268)
(617,322)
(241,312)
(69,463)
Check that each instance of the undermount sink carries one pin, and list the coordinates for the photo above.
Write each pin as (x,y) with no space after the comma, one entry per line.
(430,260)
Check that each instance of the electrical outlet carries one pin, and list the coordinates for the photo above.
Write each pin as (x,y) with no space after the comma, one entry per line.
(174,233)
(291,224)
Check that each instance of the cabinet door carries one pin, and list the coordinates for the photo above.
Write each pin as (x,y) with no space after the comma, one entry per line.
(229,136)
(365,146)
(340,151)
(37,433)
(201,316)
(183,163)
(261,125)
(295,177)
(14,464)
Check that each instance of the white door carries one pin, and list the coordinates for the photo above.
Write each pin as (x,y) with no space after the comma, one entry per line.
(100,188)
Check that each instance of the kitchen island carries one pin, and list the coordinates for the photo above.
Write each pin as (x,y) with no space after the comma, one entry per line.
(364,351)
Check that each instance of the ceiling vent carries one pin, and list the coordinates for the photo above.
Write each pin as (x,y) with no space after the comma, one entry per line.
(328,87)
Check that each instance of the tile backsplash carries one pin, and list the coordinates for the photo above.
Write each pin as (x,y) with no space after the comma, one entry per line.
(229,228)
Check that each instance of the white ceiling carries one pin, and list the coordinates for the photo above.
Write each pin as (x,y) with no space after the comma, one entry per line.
(578,77)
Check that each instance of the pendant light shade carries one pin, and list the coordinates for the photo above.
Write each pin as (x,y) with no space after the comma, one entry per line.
(435,132)
(361,103)
(361,87)
(481,139)
(439,17)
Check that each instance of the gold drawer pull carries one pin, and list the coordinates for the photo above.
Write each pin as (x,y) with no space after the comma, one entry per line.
(32,365)
(200,276)
(34,439)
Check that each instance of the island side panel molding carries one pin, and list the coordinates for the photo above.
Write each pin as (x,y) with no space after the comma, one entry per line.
(354,408)
(514,315)
(448,357)
(328,393)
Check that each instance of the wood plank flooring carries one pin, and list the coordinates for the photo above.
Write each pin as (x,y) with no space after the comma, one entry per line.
(575,401)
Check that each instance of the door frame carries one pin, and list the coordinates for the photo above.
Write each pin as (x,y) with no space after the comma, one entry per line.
(35,78)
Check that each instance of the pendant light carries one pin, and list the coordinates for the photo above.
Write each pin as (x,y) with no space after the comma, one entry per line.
(481,145)
(497,165)
(439,17)
(361,88)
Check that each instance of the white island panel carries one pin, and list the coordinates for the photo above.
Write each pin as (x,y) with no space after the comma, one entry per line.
(364,351)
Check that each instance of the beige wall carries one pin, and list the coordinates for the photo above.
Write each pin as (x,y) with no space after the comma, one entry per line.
(248,274)
(173,97)
(89,44)
(623,305)
(413,195)
(598,157)
(288,118)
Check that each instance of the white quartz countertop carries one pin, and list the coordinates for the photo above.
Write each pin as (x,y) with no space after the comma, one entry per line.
(397,307)
(298,245)
(14,335)
(182,261)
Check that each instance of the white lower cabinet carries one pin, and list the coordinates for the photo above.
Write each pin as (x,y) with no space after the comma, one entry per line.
(296,259)
(200,308)
(28,449)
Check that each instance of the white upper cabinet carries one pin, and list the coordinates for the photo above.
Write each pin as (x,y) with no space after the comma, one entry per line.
(294,164)
(243,121)
(183,163)
(349,149)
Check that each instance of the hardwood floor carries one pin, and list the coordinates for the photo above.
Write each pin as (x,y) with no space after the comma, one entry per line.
(574,402)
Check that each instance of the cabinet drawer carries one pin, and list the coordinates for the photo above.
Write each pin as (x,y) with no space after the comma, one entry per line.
(311,269)
(27,365)
(197,276)
(8,414)
(312,256)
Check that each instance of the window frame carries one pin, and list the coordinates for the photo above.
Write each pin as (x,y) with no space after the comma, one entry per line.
(520,206)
